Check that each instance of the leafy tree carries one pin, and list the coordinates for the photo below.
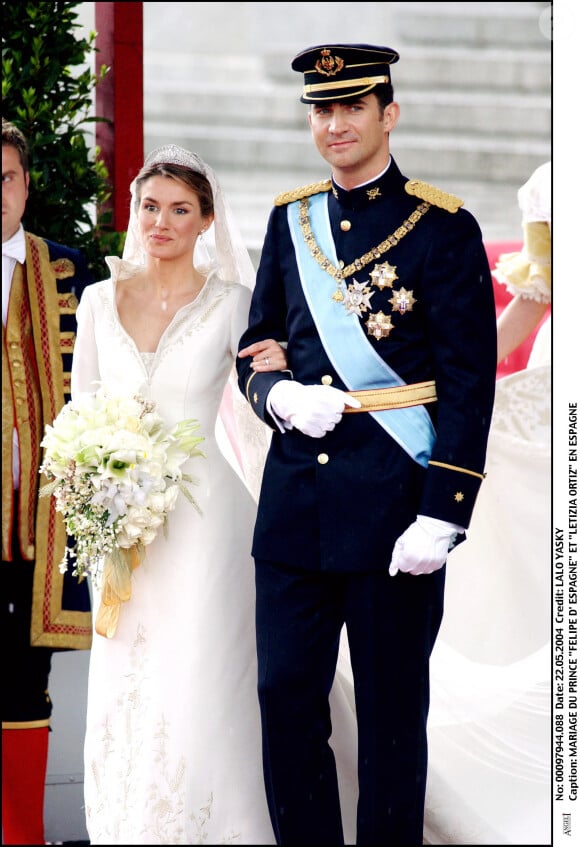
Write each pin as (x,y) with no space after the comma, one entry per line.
(47,91)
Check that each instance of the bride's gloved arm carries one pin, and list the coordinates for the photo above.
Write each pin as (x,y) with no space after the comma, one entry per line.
(85,366)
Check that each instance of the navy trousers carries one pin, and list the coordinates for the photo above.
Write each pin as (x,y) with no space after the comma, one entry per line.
(392,624)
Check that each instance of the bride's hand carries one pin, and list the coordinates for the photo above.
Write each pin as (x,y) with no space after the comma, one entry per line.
(267,355)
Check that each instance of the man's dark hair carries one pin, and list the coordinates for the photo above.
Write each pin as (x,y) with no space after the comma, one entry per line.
(13,137)
(385,94)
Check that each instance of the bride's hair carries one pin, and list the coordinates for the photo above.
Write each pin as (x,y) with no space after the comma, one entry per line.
(196,181)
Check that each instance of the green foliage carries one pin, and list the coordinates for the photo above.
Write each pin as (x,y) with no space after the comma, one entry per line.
(47,91)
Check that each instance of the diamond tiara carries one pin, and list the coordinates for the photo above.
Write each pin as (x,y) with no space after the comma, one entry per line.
(172,154)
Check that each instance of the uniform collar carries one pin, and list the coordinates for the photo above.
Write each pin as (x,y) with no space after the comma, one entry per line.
(385,185)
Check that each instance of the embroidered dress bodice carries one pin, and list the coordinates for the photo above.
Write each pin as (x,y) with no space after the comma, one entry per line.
(148,359)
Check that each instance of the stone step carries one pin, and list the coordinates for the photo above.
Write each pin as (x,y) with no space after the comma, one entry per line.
(516,71)
(174,67)
(477,113)
(475,24)
(525,70)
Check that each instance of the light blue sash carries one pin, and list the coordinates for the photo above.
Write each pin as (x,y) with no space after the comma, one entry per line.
(354,359)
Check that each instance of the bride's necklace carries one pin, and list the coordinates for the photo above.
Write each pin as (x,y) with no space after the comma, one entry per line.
(165,293)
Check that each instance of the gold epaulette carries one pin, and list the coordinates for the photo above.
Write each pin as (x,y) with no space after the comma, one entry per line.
(305,191)
(432,194)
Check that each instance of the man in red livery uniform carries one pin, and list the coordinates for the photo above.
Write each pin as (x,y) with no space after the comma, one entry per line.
(43,610)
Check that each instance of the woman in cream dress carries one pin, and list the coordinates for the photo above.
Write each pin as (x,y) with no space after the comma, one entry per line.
(172,749)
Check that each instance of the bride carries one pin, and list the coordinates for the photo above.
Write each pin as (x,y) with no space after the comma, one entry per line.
(172,748)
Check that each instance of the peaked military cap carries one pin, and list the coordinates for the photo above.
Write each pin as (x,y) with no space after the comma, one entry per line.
(343,71)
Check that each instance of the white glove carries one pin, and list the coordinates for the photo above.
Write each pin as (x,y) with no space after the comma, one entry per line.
(313,409)
(424,546)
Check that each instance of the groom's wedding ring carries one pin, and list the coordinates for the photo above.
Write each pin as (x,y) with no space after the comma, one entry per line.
(267,361)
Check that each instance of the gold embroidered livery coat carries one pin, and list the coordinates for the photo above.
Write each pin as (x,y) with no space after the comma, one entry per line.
(37,347)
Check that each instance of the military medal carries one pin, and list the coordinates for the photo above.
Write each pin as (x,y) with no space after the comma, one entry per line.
(379,325)
(402,301)
(384,275)
(357,298)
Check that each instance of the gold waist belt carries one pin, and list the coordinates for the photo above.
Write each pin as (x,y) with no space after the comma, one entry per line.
(379,399)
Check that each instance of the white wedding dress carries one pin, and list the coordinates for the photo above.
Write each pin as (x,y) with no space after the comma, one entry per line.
(490,718)
(173,745)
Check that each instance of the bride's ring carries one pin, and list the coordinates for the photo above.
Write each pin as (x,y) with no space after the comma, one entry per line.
(267,361)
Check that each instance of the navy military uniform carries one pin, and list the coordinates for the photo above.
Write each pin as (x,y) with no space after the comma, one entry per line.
(409,282)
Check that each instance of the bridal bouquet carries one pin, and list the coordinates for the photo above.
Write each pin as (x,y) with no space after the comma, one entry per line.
(114,469)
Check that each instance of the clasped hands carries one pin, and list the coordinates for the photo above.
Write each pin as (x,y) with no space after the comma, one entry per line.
(313,409)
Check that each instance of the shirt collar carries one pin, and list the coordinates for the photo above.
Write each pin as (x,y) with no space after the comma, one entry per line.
(15,247)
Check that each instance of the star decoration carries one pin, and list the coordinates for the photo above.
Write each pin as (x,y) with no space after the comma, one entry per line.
(402,301)
(379,325)
(357,298)
(384,275)
(373,193)
(458,496)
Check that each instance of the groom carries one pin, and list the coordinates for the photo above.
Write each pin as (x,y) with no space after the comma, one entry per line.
(381,288)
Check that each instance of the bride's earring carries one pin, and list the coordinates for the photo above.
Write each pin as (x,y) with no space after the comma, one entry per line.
(202,250)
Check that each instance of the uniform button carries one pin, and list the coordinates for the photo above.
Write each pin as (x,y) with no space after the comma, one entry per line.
(341,264)
(14,345)
(16,363)
(322,458)
(345,226)
(326,379)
